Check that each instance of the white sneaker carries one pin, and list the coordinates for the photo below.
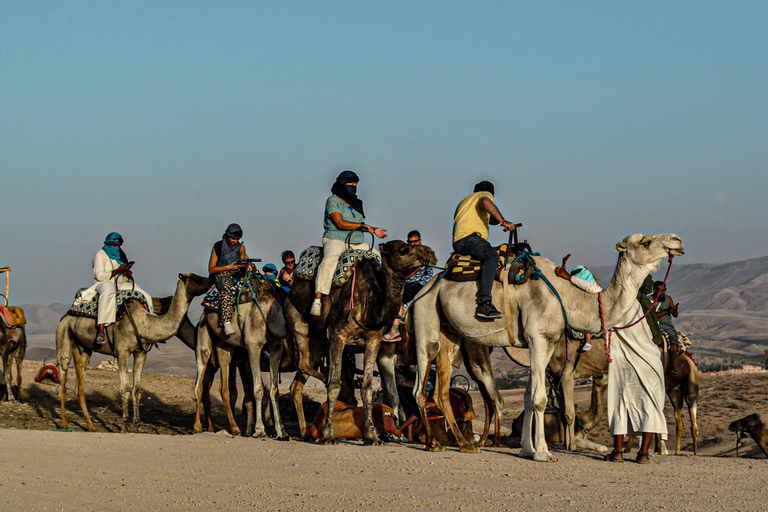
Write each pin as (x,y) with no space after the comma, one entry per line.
(229,328)
(317,308)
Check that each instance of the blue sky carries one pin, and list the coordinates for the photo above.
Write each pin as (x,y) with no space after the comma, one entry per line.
(166,121)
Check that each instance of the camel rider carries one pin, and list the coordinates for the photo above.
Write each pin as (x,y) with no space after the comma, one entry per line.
(665,310)
(225,264)
(470,237)
(112,272)
(344,219)
(270,273)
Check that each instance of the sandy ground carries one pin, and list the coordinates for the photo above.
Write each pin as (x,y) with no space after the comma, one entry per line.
(50,470)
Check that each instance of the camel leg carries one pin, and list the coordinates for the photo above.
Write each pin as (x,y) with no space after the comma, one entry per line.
(125,387)
(297,390)
(333,386)
(244,368)
(676,397)
(254,357)
(210,374)
(232,383)
(442,395)
(7,376)
(692,406)
(427,339)
(386,364)
(19,359)
(566,384)
(300,331)
(478,362)
(536,402)
(224,355)
(202,355)
(372,344)
(81,363)
(275,355)
(139,358)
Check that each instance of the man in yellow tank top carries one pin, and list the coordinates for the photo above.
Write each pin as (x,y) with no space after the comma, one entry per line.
(470,237)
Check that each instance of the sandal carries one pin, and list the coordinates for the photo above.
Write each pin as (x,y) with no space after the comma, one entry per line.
(614,456)
(641,456)
(99,339)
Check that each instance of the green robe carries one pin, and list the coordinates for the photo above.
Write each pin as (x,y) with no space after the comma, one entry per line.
(645,301)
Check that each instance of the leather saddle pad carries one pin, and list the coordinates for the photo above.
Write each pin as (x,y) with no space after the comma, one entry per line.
(310,260)
(465,268)
(12,316)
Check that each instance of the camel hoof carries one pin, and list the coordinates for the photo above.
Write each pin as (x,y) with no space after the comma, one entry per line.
(91,429)
(329,442)
(258,435)
(469,449)
(284,438)
(435,447)
(236,432)
(197,429)
(544,457)
(527,454)
(373,442)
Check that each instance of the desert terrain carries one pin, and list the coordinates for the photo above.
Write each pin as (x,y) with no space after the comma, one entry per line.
(159,465)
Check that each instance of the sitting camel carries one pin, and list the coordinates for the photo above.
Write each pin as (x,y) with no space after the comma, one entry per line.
(131,335)
(533,316)
(377,295)
(586,421)
(753,426)
(260,325)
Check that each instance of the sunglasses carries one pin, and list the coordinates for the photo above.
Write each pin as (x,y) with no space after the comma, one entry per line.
(414,242)
(292,262)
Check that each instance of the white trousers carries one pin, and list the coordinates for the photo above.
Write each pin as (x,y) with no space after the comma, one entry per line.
(108,306)
(332,250)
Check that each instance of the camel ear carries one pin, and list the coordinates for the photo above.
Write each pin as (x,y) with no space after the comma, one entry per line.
(621,247)
(383,248)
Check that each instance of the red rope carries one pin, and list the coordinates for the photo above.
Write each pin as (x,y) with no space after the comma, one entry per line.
(352,292)
(607,336)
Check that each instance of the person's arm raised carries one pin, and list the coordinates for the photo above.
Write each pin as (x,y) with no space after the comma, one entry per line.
(494,212)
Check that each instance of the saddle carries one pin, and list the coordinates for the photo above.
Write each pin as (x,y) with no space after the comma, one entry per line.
(465,268)
(89,308)
(49,371)
(240,291)
(310,259)
(12,316)
(348,421)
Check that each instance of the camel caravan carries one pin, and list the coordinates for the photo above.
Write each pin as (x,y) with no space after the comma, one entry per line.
(391,304)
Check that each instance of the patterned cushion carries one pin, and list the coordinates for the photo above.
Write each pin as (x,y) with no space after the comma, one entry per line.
(211,298)
(466,268)
(310,259)
(122,297)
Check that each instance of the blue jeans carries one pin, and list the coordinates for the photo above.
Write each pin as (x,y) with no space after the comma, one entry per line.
(479,248)
(672,332)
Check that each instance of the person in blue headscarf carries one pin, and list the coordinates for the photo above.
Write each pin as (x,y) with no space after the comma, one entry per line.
(112,272)
(345,227)
(225,265)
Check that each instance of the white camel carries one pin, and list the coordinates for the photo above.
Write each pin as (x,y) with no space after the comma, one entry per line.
(533,318)
(261,325)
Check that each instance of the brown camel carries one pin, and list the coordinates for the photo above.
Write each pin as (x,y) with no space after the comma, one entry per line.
(13,338)
(377,296)
(260,325)
(75,338)
(753,426)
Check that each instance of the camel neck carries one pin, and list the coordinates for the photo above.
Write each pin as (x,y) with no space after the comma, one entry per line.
(160,328)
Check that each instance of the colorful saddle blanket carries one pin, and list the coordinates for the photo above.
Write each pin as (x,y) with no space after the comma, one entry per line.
(211,298)
(579,336)
(90,308)
(310,259)
(466,268)
(12,316)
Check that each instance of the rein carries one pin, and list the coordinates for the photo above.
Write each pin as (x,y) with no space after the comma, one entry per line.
(607,338)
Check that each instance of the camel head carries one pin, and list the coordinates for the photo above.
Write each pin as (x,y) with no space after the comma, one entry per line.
(195,285)
(649,250)
(403,259)
(746,424)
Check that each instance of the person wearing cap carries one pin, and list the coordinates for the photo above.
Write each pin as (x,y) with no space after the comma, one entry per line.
(225,265)
(470,237)
(345,227)
(582,272)
(112,272)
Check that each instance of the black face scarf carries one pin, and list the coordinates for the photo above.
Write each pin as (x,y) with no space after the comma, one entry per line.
(339,189)
(230,253)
